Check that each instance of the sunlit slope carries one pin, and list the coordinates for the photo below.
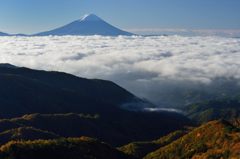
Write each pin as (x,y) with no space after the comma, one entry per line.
(216,139)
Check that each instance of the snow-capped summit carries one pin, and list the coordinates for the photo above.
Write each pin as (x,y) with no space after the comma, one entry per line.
(88,25)
(90,17)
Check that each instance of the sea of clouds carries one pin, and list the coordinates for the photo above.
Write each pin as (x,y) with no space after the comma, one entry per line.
(147,66)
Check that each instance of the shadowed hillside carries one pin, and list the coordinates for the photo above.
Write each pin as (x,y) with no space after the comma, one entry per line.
(25,133)
(71,148)
(116,129)
(227,108)
(25,91)
(65,98)
(215,139)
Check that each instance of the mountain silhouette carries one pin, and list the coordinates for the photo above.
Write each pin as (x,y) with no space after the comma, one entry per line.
(88,25)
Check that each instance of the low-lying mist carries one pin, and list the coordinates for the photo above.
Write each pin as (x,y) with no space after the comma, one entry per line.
(170,71)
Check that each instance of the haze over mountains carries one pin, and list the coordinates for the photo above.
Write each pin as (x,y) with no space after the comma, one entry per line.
(89,24)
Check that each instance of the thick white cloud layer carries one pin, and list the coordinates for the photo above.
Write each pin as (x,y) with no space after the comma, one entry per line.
(136,63)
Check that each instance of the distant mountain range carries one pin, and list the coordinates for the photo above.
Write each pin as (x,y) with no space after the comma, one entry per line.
(88,25)
(6,34)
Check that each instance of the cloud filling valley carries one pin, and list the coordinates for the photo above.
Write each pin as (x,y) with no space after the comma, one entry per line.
(147,66)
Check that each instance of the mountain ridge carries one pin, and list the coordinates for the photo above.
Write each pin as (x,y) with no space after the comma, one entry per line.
(215,139)
(26,91)
(44,86)
(88,25)
(65,148)
(117,129)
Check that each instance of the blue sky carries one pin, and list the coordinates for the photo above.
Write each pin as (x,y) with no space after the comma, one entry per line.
(31,16)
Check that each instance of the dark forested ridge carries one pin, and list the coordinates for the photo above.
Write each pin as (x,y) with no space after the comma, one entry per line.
(117,129)
(26,91)
(45,114)
(215,139)
(70,148)
(69,106)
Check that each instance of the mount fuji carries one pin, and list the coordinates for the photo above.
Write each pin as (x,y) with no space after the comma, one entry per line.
(88,25)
